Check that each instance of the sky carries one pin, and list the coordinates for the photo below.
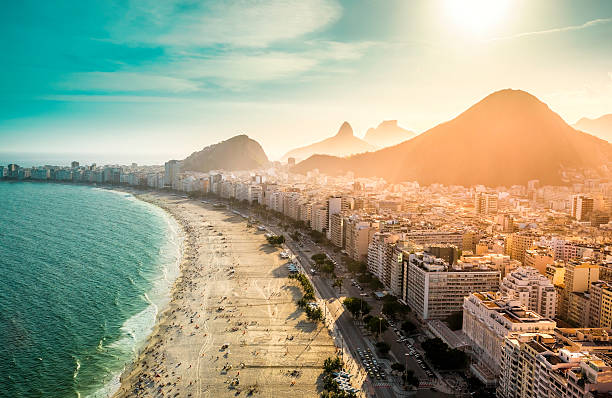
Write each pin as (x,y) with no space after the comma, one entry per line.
(148,79)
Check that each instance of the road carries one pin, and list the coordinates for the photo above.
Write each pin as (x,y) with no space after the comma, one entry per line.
(350,334)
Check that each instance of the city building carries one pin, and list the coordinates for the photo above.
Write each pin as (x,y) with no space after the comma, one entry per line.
(488,318)
(532,289)
(435,289)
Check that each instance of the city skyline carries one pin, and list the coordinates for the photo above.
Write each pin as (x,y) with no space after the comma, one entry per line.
(167,80)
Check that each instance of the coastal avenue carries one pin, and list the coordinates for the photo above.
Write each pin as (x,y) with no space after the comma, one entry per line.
(350,334)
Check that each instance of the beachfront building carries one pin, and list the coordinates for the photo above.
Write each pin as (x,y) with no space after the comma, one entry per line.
(488,318)
(435,289)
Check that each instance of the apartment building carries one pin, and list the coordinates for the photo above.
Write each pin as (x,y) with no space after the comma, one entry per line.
(385,261)
(429,237)
(336,223)
(435,289)
(485,203)
(532,289)
(489,317)
(539,258)
(359,234)
(582,207)
(542,365)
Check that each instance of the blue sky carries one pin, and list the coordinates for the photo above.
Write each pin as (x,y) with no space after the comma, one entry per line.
(165,78)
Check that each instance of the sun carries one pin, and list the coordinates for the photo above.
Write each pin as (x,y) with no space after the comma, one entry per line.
(476,16)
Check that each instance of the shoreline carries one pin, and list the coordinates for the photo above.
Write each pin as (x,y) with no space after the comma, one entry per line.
(209,275)
(183,238)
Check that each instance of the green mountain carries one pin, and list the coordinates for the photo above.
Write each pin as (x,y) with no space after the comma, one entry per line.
(237,153)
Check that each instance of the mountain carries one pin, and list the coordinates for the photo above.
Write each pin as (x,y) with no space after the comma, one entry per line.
(342,144)
(237,153)
(507,138)
(600,127)
(388,133)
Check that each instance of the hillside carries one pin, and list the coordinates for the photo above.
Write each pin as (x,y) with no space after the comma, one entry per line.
(237,153)
(600,127)
(388,133)
(344,143)
(507,138)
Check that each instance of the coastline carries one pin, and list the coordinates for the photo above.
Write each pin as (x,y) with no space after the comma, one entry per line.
(161,304)
(272,348)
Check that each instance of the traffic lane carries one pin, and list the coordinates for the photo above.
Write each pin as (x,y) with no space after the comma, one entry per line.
(400,351)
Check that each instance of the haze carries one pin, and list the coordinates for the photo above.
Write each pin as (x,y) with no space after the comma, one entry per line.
(165,79)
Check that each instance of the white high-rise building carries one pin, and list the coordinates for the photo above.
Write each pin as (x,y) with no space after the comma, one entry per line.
(531,289)
(582,207)
(485,203)
(172,171)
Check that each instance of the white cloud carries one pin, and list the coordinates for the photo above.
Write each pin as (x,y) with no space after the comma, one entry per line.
(243,67)
(124,81)
(585,25)
(239,23)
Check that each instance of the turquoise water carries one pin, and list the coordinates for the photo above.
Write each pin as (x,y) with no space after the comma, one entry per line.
(83,272)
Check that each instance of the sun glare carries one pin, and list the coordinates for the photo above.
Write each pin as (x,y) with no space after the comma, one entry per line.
(476,16)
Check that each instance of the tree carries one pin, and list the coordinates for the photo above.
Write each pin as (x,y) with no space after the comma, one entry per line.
(355,267)
(332,364)
(408,327)
(442,356)
(327,267)
(399,367)
(410,378)
(319,258)
(356,306)
(377,325)
(383,347)
(276,239)
(338,283)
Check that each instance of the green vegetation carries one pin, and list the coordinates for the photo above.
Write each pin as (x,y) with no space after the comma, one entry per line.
(327,267)
(410,378)
(306,286)
(276,239)
(319,258)
(330,386)
(443,357)
(313,313)
(338,283)
(355,267)
(376,325)
(391,307)
(383,347)
(317,237)
(398,367)
(408,327)
(356,306)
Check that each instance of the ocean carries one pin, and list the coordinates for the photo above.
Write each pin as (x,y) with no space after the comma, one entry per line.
(83,274)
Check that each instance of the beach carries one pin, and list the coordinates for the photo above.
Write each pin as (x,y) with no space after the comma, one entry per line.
(232,326)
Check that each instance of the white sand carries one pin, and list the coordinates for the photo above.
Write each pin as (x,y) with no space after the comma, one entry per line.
(233,289)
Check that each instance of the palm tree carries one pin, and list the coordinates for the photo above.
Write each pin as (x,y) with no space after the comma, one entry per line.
(338,283)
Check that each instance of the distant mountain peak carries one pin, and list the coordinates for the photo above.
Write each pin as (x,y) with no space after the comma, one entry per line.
(345,130)
(388,123)
(601,126)
(344,143)
(507,138)
(388,133)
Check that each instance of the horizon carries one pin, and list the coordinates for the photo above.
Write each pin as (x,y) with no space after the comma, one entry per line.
(163,81)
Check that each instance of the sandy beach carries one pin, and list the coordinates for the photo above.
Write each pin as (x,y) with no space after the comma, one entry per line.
(232,317)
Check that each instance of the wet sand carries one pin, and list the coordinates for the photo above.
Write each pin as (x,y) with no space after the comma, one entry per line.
(233,290)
